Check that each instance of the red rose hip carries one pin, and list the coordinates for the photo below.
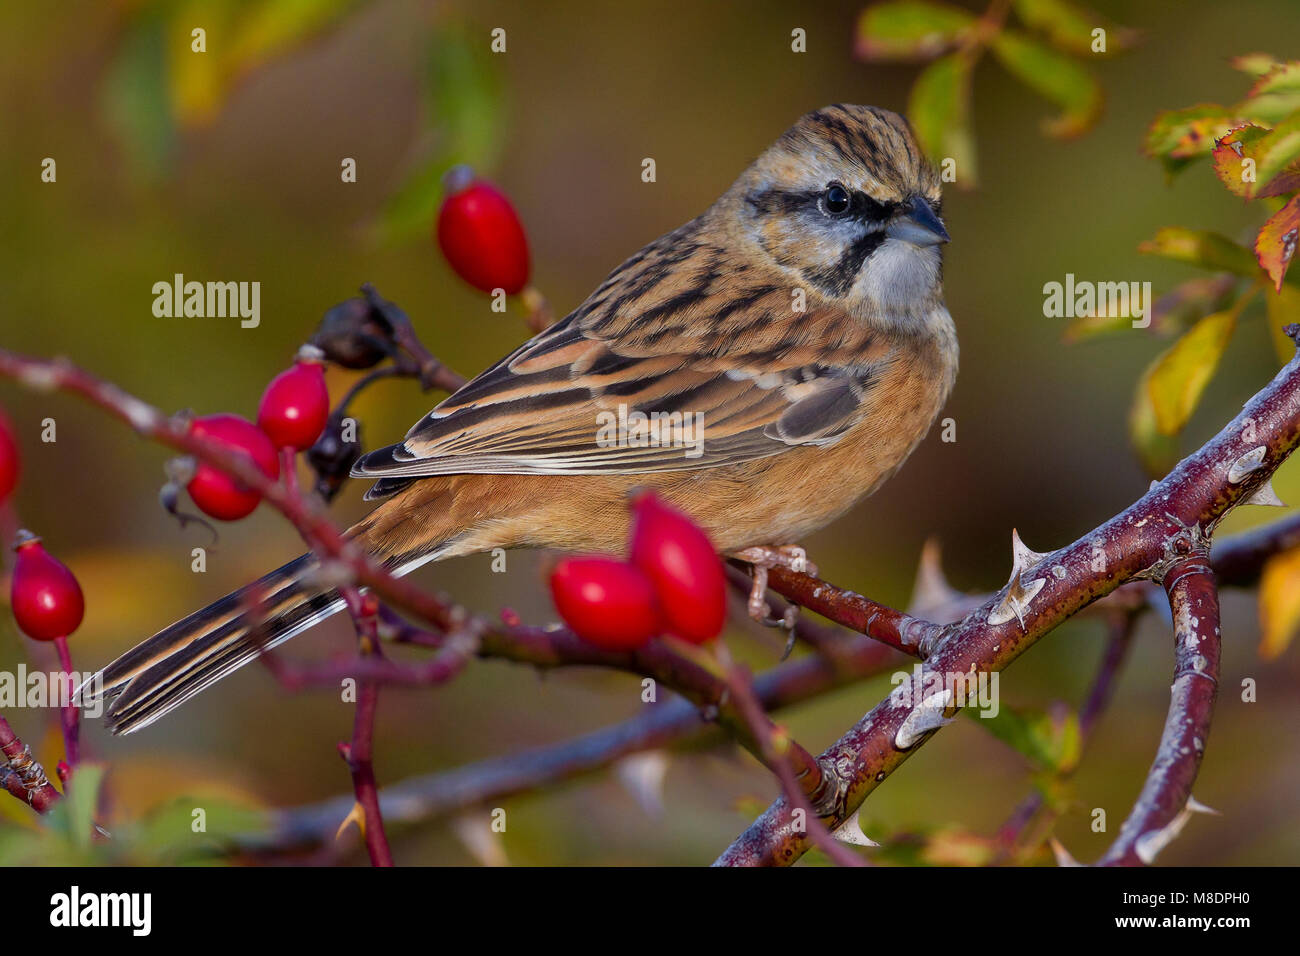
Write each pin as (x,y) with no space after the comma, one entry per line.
(216,493)
(45,596)
(687,574)
(480,234)
(606,602)
(296,404)
(10,463)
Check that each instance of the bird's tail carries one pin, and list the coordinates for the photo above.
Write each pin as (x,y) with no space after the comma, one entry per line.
(176,663)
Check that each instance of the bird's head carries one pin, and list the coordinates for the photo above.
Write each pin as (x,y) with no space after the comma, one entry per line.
(846,202)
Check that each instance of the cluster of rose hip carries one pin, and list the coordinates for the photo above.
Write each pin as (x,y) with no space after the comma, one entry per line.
(46,599)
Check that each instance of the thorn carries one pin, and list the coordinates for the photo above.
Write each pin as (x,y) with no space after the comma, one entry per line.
(355,816)
(643,777)
(1019,594)
(1253,460)
(931,590)
(1266,495)
(1155,483)
(1063,857)
(850,832)
(1196,806)
(1022,557)
(473,830)
(923,718)
(1149,844)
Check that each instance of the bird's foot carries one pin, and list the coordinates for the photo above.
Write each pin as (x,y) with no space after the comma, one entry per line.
(760,560)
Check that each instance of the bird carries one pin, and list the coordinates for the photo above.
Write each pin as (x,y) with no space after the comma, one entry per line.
(791,342)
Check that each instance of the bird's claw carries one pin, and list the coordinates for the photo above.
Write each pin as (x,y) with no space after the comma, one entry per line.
(760,560)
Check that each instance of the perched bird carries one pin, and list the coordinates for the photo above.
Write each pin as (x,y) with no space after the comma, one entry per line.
(791,343)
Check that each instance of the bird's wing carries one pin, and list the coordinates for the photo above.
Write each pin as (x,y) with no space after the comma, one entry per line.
(722,372)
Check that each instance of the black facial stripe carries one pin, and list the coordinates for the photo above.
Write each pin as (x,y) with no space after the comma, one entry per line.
(784,201)
(837,279)
(866,209)
(771,201)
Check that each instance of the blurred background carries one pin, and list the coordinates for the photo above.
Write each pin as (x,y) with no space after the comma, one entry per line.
(229,169)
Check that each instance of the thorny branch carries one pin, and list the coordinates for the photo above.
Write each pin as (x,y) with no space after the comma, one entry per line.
(1166,800)
(21,775)
(1173,520)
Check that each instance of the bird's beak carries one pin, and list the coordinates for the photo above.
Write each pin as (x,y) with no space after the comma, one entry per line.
(918,225)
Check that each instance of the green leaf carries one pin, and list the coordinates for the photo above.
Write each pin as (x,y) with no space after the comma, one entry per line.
(1209,250)
(1190,132)
(74,815)
(1054,76)
(1276,153)
(939,109)
(1070,27)
(136,102)
(168,833)
(1175,381)
(463,102)
(1256,64)
(1276,94)
(1047,742)
(909,30)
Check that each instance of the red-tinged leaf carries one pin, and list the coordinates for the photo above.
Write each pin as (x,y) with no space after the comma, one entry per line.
(1175,381)
(1278,157)
(1054,76)
(1072,28)
(1276,94)
(1237,162)
(1191,132)
(909,30)
(1256,64)
(939,109)
(1189,301)
(1276,244)
(1234,159)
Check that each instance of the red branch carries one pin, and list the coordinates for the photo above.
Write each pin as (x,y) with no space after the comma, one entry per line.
(1162,808)
(21,775)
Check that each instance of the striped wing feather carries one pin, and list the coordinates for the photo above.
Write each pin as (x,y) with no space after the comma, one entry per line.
(758,375)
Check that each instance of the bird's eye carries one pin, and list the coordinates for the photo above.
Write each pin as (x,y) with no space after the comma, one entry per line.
(836,200)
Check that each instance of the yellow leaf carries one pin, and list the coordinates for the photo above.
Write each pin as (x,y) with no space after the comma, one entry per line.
(1279,603)
(1177,378)
(1283,309)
